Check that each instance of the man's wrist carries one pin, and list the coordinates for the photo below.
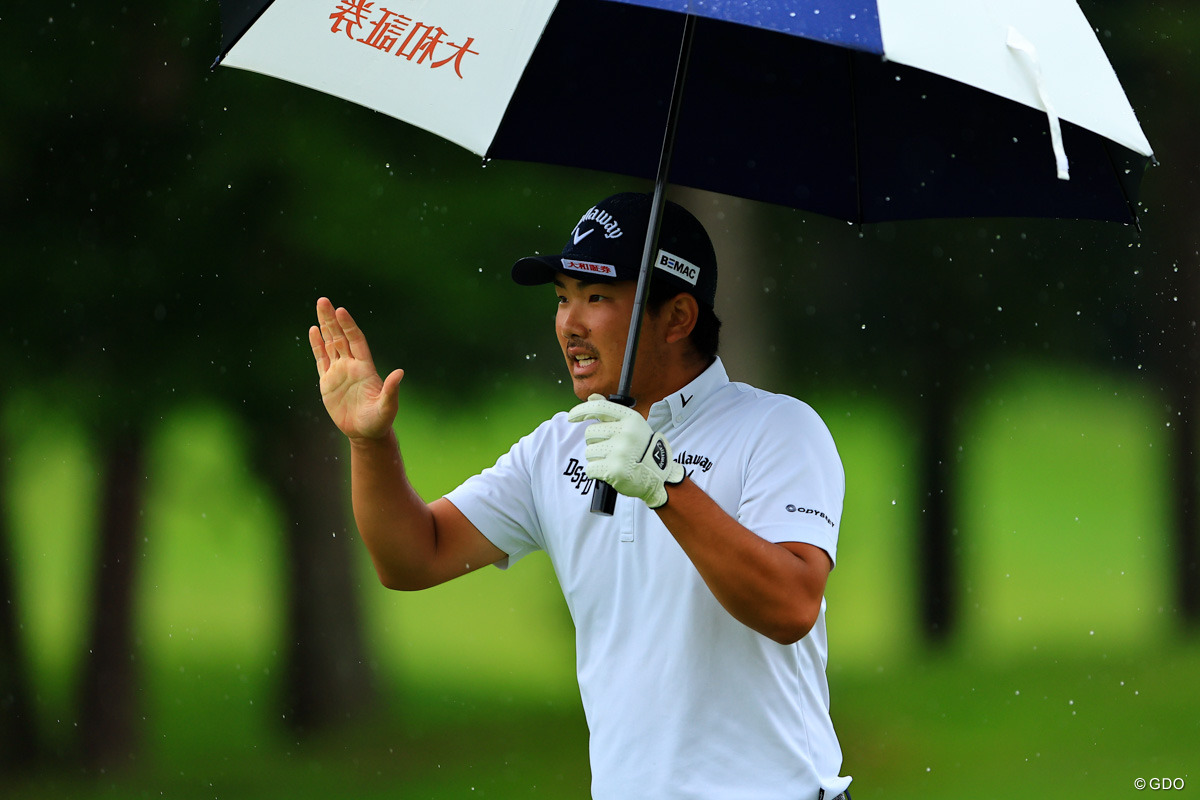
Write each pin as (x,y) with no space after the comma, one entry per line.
(669,487)
(372,445)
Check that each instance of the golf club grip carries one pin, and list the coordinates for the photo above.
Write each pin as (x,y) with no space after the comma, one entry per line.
(604,497)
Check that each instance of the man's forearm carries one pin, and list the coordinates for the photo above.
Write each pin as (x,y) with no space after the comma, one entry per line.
(394,522)
(766,586)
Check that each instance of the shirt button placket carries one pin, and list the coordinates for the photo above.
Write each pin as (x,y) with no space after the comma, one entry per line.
(628,519)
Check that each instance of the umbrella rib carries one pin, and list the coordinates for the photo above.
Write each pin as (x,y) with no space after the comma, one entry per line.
(1129,203)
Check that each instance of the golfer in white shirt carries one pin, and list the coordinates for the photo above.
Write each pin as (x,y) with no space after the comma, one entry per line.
(699,605)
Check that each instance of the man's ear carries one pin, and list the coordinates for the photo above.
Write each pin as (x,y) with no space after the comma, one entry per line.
(682,311)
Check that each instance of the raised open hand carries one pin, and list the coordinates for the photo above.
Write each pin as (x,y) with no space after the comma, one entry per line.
(359,402)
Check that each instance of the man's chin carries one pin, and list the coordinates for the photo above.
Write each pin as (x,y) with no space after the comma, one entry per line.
(586,387)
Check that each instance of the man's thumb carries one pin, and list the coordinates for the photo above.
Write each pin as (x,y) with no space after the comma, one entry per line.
(391,386)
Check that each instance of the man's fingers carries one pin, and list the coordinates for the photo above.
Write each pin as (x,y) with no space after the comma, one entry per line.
(601,410)
(338,336)
(318,347)
(336,345)
(356,340)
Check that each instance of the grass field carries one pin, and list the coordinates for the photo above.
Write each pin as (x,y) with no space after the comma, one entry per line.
(1069,678)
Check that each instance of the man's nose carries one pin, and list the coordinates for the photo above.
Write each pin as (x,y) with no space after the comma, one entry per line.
(570,321)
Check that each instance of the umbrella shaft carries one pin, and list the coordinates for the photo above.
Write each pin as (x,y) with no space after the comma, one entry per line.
(645,273)
(604,498)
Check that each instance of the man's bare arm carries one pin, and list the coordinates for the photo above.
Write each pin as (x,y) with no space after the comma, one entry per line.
(776,589)
(412,544)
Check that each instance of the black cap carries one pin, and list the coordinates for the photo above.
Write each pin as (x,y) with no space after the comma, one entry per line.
(607,243)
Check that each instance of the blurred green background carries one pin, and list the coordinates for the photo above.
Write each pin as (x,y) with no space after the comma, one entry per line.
(187,612)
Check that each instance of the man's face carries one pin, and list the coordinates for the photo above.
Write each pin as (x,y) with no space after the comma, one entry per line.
(592,324)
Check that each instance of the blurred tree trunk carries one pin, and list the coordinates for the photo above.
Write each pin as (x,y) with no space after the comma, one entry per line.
(329,678)
(937,546)
(109,702)
(1181,366)
(1171,337)
(18,734)
(1184,472)
(738,240)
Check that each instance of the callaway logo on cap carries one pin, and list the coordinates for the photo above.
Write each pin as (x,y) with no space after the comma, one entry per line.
(607,244)
(604,220)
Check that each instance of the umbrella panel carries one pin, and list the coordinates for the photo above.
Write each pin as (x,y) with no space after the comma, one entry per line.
(236,17)
(774,117)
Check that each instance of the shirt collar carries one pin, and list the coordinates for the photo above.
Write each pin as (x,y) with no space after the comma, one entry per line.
(677,407)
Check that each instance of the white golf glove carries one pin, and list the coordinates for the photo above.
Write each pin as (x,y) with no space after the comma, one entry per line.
(624,452)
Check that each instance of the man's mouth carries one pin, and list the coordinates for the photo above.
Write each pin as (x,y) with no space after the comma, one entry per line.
(581,358)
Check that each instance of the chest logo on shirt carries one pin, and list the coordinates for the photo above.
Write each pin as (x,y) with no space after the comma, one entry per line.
(694,462)
(578,477)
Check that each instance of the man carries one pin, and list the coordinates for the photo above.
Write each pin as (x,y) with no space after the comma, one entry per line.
(699,605)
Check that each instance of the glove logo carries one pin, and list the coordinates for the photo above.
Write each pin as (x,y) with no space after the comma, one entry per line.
(660,454)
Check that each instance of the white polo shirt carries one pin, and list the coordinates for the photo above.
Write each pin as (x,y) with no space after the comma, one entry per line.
(682,700)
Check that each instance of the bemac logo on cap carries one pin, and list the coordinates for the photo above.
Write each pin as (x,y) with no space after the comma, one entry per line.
(592,268)
(677,266)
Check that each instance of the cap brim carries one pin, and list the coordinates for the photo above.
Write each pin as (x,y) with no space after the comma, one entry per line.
(536,270)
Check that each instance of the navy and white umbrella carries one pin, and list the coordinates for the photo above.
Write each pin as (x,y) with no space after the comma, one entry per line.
(867,110)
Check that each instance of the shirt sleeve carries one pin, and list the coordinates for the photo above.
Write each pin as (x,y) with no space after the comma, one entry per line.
(500,501)
(793,480)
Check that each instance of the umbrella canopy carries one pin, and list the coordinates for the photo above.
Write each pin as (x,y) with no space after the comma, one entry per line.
(867,111)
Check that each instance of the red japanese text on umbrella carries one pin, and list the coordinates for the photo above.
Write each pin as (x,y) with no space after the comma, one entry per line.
(398,34)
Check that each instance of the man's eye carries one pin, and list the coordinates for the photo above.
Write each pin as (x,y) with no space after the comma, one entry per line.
(596,298)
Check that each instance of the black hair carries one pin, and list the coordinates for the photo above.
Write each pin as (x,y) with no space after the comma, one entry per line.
(706,335)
